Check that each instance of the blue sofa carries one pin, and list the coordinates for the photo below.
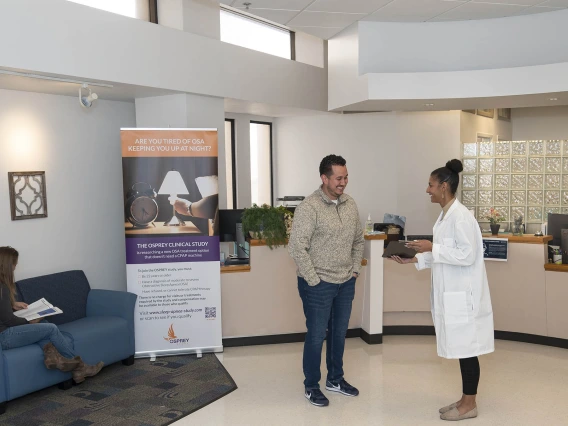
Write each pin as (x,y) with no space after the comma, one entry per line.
(98,323)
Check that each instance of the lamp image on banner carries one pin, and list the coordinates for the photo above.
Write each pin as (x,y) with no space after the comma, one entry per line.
(171,206)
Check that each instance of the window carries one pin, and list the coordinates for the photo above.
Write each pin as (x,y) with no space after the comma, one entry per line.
(261,162)
(139,9)
(484,137)
(254,34)
(230,161)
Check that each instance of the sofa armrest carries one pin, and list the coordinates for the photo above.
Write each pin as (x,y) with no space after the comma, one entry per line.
(113,303)
(3,393)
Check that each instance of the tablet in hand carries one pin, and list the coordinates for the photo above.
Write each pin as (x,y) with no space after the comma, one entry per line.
(398,248)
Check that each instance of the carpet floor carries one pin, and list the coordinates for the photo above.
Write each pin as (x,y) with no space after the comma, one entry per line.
(144,394)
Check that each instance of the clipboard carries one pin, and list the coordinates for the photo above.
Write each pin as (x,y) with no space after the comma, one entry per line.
(398,248)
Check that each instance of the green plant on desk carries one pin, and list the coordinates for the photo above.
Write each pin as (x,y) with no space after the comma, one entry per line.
(271,224)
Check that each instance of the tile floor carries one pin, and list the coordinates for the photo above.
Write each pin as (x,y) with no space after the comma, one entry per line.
(402,382)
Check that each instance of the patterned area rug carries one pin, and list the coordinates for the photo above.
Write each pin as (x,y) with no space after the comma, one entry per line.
(144,394)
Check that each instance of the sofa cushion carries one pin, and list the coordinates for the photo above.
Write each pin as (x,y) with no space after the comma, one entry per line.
(25,371)
(66,290)
(100,338)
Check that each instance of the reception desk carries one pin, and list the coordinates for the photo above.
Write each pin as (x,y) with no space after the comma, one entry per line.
(528,296)
(260,302)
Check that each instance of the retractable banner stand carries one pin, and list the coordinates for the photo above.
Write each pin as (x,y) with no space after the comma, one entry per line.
(171,206)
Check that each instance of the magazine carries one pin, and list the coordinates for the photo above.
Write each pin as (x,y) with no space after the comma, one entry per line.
(40,309)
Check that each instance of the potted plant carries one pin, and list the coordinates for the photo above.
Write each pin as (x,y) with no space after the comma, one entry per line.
(271,224)
(494,217)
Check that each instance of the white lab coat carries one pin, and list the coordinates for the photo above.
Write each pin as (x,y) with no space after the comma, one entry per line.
(460,301)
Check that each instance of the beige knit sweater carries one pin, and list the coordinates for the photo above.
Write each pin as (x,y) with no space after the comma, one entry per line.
(327,239)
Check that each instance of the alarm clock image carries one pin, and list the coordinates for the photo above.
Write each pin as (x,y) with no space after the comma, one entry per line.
(141,208)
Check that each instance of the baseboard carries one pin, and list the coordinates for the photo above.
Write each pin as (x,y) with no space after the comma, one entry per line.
(390,330)
(428,330)
(408,330)
(275,339)
(371,339)
(532,338)
(263,340)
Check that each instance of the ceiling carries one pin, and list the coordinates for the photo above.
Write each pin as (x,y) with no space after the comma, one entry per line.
(326,18)
(520,101)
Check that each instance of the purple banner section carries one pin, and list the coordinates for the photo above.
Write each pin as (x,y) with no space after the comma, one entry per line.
(172,249)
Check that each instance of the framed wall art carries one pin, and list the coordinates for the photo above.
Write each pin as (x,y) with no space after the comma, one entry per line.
(489,113)
(28,198)
(504,114)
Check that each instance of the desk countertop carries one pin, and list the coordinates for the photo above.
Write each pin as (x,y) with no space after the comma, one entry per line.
(526,238)
(235,268)
(555,267)
(376,237)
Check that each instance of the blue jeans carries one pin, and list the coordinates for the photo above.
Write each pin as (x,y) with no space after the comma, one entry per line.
(327,308)
(42,334)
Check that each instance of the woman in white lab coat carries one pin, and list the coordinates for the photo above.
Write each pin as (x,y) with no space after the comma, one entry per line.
(460,301)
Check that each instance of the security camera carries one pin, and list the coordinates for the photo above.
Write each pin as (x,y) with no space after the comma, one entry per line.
(87,101)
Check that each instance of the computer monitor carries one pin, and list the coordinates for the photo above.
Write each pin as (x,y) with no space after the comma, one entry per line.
(557,222)
(228,220)
(231,230)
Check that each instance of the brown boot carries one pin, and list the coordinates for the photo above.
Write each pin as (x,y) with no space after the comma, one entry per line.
(54,360)
(84,370)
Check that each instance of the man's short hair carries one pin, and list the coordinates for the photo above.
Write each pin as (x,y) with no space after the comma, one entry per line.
(326,165)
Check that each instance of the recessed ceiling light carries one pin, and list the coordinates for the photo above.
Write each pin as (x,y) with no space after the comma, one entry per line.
(429,105)
(552,99)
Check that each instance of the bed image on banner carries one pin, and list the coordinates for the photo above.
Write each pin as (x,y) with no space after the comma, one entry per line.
(171,206)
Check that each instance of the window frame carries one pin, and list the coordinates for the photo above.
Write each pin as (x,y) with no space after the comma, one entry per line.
(153,4)
(233,162)
(271,161)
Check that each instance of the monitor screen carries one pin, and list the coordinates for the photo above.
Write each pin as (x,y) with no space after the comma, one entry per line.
(556,222)
(228,220)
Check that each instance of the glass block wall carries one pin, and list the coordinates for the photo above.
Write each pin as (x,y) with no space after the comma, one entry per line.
(528,178)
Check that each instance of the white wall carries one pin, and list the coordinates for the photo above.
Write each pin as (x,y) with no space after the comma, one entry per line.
(345,84)
(79,150)
(472,124)
(519,41)
(540,123)
(389,158)
(309,49)
(194,16)
(109,47)
(455,65)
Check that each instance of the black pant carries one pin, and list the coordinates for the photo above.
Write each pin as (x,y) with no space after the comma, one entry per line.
(470,375)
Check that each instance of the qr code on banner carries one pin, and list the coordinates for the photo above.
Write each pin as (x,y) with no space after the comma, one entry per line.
(210,313)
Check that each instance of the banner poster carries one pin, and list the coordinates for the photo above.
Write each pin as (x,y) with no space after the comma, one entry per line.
(171,206)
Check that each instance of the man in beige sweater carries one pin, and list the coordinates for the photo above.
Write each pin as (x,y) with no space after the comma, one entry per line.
(327,245)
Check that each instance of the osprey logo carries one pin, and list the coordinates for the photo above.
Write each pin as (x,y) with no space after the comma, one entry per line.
(172,338)
(171,333)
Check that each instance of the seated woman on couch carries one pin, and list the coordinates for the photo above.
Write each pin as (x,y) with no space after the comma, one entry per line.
(16,332)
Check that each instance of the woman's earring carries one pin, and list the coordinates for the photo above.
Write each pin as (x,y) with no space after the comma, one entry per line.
(443,195)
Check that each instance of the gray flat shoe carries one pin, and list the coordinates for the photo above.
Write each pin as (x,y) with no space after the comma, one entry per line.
(454,415)
(448,408)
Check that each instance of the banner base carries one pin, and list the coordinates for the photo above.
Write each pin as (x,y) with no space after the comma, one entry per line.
(174,352)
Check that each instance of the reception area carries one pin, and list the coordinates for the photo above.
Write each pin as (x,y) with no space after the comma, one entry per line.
(395,87)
